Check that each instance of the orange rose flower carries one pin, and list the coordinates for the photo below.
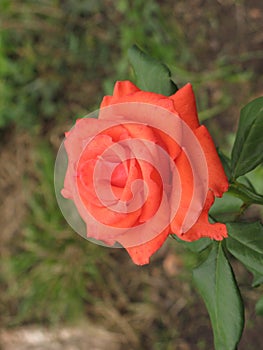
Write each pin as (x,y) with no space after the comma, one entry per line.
(143,170)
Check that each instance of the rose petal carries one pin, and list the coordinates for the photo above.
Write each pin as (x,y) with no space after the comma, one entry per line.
(124,88)
(138,96)
(203,228)
(185,105)
(141,254)
(186,184)
(218,182)
(104,213)
(120,175)
(154,191)
(106,101)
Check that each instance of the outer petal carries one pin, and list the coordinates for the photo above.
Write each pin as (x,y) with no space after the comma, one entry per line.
(106,101)
(218,182)
(141,254)
(136,96)
(203,228)
(185,105)
(121,89)
(124,88)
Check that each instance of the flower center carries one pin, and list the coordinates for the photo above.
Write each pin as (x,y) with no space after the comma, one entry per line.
(120,175)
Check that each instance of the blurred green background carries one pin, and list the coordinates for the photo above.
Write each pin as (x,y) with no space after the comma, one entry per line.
(57,60)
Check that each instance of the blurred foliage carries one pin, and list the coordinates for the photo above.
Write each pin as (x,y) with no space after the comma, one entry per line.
(49,50)
(58,58)
(52,268)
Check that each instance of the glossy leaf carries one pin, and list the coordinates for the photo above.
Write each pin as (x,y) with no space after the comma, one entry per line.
(245,243)
(196,246)
(246,194)
(226,208)
(216,283)
(247,150)
(151,75)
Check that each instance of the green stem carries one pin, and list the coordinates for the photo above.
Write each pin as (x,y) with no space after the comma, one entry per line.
(243,192)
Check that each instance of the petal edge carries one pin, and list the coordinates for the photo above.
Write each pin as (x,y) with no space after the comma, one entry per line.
(185,105)
(141,254)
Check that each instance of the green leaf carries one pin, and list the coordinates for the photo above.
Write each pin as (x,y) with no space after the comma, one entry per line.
(245,243)
(259,307)
(151,75)
(258,279)
(247,150)
(226,208)
(216,283)
(196,246)
(246,194)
